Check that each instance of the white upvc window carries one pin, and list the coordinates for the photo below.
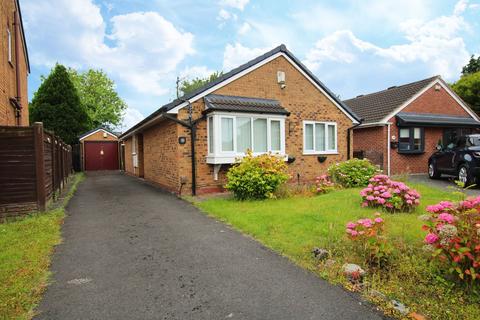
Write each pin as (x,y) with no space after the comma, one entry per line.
(319,137)
(230,135)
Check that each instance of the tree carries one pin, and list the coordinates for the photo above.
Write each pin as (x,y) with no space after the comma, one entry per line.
(187,86)
(57,104)
(468,88)
(472,66)
(99,98)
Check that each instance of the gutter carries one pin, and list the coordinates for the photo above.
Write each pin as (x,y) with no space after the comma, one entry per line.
(388,148)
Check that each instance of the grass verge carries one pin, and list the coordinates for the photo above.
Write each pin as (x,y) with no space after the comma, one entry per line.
(294,226)
(26,249)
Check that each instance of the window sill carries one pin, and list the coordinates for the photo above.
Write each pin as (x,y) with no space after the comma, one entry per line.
(229,159)
(322,153)
(410,152)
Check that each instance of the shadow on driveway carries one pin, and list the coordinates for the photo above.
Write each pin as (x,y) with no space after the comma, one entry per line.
(445,182)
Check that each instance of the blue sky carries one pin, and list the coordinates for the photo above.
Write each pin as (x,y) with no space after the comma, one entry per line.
(354,47)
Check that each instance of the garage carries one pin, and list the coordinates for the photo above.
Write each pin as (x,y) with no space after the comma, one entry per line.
(99,150)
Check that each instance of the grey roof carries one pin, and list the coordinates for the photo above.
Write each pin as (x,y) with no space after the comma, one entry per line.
(281,48)
(215,102)
(375,106)
(429,119)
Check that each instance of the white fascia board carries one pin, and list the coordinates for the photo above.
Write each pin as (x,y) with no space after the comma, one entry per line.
(371,124)
(142,126)
(91,133)
(434,82)
(256,66)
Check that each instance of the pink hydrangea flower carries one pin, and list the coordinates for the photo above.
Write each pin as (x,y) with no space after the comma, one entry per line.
(378,220)
(431,238)
(381,201)
(370,198)
(447,217)
(386,194)
(351,225)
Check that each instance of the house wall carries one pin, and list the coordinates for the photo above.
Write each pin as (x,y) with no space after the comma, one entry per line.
(431,101)
(8,84)
(373,143)
(128,157)
(300,97)
(161,155)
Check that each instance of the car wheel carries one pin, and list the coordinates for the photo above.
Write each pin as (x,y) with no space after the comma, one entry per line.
(464,176)
(432,171)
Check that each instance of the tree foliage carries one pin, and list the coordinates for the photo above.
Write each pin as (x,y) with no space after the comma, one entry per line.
(57,104)
(468,88)
(472,66)
(99,98)
(187,86)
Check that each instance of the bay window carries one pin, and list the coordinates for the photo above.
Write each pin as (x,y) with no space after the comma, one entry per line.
(240,132)
(319,137)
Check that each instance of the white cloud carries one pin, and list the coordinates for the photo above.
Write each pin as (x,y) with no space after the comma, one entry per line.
(196,72)
(244,28)
(434,45)
(237,54)
(237,4)
(131,117)
(141,50)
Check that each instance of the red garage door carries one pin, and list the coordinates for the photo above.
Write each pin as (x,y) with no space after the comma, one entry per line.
(101,155)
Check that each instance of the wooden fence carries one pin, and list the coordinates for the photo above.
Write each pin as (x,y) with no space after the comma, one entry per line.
(34,165)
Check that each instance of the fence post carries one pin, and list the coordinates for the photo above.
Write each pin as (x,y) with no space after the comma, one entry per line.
(39,165)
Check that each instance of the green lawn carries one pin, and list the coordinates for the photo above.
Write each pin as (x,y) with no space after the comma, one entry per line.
(26,248)
(294,226)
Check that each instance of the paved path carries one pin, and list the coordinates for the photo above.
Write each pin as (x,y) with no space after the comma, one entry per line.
(134,252)
(445,182)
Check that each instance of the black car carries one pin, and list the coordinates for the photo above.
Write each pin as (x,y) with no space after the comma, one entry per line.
(460,158)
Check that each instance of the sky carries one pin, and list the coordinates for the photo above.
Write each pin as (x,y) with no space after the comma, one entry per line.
(354,47)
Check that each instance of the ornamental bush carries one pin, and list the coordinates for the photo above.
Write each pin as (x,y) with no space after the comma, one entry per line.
(352,173)
(454,237)
(256,177)
(389,195)
(369,241)
(323,184)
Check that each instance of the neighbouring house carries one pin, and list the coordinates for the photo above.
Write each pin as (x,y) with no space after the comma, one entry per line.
(14,67)
(403,125)
(99,150)
(270,104)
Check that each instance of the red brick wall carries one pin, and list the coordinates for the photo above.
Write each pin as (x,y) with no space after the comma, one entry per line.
(8,85)
(373,142)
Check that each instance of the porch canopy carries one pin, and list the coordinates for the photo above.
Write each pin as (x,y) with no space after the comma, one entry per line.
(407,119)
(215,102)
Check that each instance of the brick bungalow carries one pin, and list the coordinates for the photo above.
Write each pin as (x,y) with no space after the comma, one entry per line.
(14,66)
(270,104)
(402,125)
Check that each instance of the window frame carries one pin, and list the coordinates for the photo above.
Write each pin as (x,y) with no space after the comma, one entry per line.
(326,125)
(411,143)
(220,156)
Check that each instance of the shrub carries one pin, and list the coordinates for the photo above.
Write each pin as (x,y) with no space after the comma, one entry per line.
(323,184)
(352,173)
(256,177)
(369,242)
(454,237)
(389,195)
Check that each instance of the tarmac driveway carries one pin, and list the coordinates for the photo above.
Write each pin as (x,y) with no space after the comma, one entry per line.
(131,251)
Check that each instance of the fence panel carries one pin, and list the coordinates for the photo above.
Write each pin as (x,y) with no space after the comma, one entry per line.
(34,164)
(17,169)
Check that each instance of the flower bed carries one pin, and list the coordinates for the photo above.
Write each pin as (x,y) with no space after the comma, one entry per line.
(323,184)
(389,195)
